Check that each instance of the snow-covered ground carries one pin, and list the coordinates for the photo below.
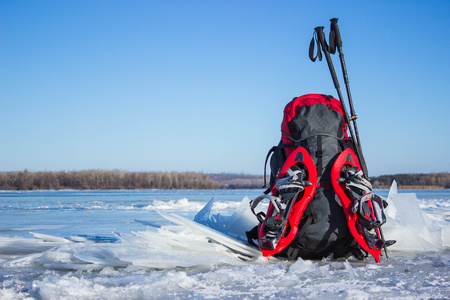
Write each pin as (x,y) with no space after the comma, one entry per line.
(87,245)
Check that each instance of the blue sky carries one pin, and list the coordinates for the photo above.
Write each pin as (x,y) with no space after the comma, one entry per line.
(201,85)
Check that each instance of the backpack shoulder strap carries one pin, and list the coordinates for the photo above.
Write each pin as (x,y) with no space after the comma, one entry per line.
(280,146)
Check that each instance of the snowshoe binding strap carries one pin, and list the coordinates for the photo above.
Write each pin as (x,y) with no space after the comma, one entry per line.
(276,202)
(370,222)
(273,224)
(365,207)
(292,184)
(368,219)
(356,183)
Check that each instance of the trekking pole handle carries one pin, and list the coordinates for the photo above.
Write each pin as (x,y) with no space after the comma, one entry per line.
(323,43)
(337,35)
(321,37)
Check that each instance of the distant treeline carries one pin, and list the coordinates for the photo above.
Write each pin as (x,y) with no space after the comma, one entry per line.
(238,181)
(412,181)
(104,180)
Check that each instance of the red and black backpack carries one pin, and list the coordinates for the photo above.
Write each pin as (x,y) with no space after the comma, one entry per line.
(318,222)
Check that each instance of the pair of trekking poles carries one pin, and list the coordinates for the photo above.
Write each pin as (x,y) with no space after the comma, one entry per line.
(336,41)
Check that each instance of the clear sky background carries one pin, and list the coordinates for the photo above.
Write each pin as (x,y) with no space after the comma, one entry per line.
(201,85)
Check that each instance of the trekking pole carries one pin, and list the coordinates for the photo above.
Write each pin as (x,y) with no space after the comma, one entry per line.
(335,40)
(322,43)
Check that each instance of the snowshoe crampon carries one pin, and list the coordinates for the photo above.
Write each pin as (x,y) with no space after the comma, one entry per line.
(360,207)
(295,186)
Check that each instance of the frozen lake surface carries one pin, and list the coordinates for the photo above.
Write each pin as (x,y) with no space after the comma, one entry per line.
(88,245)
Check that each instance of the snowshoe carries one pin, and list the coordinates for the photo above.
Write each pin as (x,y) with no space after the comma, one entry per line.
(354,193)
(295,186)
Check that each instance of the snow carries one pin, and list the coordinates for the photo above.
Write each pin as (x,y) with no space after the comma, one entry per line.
(406,219)
(173,262)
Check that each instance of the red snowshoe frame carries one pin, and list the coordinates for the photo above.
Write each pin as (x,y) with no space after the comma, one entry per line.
(345,160)
(299,156)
